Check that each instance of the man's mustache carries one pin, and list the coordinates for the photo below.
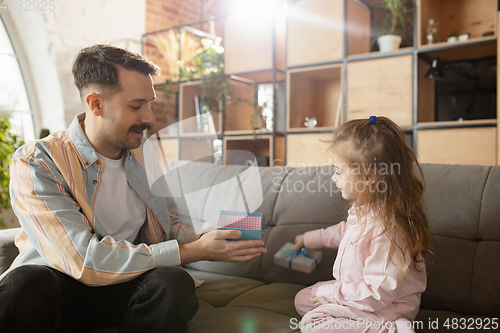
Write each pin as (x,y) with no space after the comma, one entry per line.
(139,128)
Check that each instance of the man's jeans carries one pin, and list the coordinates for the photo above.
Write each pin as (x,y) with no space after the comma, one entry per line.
(41,299)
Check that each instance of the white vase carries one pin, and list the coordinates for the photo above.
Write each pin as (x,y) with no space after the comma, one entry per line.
(388,43)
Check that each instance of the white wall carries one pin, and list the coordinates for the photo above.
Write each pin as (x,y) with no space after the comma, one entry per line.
(75,24)
(38,64)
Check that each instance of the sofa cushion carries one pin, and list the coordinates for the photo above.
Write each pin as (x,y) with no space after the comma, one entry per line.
(232,319)
(464,216)
(8,250)
(218,290)
(273,297)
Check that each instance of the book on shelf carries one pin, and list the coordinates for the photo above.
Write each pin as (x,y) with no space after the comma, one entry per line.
(204,117)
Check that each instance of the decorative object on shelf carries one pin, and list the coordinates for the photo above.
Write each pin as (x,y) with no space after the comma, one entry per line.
(203,117)
(310,122)
(258,122)
(9,142)
(391,36)
(432,32)
(463,37)
(453,37)
(435,72)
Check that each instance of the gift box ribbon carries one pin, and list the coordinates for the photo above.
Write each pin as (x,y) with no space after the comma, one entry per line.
(290,252)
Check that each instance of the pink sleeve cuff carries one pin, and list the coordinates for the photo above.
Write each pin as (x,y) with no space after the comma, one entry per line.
(312,239)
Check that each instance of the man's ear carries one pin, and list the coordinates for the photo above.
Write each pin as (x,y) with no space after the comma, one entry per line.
(95,103)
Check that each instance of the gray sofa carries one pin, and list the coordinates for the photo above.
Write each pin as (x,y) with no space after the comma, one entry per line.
(463,204)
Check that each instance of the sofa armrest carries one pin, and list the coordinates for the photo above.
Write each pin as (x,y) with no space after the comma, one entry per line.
(8,250)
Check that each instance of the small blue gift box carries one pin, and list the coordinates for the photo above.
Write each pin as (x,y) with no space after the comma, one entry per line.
(303,261)
(250,224)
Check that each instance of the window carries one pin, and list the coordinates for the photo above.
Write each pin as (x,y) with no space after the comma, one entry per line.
(14,103)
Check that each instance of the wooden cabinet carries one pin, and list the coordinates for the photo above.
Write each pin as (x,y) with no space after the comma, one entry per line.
(309,149)
(457,146)
(315,32)
(381,87)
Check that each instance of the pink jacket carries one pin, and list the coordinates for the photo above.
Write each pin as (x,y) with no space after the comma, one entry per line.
(366,278)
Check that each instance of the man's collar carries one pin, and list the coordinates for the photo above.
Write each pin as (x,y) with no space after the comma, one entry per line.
(81,142)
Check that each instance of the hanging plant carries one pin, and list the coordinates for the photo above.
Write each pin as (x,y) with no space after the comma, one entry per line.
(9,142)
(206,64)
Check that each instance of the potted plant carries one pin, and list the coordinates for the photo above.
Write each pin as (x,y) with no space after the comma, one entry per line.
(9,142)
(395,30)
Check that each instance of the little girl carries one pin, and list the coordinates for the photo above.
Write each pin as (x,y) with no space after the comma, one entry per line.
(379,271)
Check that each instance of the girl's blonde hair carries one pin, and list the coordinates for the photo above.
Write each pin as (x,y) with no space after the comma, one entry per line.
(378,149)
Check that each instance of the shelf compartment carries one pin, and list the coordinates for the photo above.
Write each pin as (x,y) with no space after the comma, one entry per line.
(381,87)
(239,108)
(314,92)
(359,21)
(249,43)
(308,149)
(197,149)
(475,17)
(187,108)
(315,32)
(260,146)
(468,88)
(364,21)
(457,146)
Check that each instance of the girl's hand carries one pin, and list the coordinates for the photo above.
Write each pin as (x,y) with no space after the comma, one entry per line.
(299,243)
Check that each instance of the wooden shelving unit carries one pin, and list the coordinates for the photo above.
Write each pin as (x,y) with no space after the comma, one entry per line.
(394,84)
(333,72)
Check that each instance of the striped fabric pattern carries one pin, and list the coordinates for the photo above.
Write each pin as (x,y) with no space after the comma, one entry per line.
(53,187)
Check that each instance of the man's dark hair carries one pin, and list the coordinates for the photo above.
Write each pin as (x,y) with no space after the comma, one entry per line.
(97,65)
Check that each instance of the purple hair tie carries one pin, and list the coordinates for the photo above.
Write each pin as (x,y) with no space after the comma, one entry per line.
(373,119)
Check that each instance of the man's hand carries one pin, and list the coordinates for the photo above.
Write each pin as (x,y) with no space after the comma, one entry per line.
(299,243)
(214,246)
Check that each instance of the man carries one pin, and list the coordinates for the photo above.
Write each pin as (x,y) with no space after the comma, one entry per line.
(97,247)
